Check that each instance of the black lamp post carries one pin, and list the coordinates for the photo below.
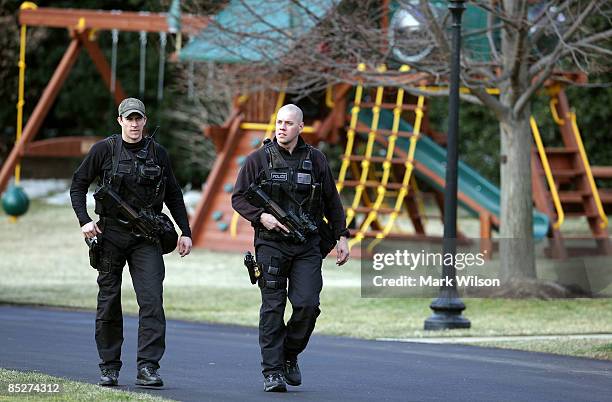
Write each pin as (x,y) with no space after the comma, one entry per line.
(448,306)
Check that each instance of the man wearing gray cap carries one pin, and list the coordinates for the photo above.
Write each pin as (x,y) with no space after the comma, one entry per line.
(133,173)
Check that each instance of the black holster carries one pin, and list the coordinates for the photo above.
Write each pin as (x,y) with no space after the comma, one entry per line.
(95,252)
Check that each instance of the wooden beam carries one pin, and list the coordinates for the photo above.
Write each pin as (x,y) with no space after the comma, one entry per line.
(40,111)
(213,183)
(101,64)
(61,147)
(106,20)
(602,172)
(335,117)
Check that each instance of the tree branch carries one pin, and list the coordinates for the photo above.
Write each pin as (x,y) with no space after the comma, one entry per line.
(535,85)
(491,102)
(565,50)
(490,23)
(497,13)
(594,38)
(558,52)
(541,29)
(519,54)
(434,26)
(597,49)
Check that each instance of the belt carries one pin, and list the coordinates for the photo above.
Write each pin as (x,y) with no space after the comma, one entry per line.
(264,234)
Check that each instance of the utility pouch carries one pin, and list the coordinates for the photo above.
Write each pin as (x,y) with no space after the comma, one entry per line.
(149,174)
(274,271)
(168,238)
(103,200)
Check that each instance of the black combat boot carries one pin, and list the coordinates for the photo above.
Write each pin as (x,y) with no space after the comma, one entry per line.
(148,376)
(109,377)
(274,382)
(292,372)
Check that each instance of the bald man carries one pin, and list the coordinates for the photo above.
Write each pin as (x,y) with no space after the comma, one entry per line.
(297,177)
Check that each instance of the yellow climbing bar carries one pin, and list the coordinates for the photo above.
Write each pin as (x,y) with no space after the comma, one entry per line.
(365,164)
(548,172)
(409,167)
(463,90)
(329,97)
(587,167)
(21,89)
(234,224)
(553,111)
(382,187)
(350,135)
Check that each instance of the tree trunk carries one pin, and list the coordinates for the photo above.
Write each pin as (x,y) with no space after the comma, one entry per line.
(516,250)
(516,228)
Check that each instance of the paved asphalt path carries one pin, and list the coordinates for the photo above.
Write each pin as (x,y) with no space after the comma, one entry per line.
(220,362)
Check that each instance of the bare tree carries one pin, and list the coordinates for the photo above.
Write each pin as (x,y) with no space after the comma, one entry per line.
(526,41)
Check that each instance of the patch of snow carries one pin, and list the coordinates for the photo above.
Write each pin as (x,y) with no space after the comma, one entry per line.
(57,192)
(39,188)
(63,198)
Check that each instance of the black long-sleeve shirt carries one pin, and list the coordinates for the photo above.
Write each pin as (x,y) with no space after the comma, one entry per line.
(99,160)
(250,171)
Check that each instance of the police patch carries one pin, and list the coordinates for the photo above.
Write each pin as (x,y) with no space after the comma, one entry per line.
(279,176)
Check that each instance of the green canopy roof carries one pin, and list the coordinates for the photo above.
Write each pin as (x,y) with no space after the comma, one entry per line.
(255,30)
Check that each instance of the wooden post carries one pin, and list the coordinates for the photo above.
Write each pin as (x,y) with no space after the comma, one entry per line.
(213,183)
(41,110)
(486,244)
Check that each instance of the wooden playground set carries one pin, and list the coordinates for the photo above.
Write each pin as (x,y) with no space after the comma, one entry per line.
(392,161)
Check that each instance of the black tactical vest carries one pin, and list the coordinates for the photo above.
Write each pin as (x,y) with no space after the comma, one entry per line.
(136,177)
(294,189)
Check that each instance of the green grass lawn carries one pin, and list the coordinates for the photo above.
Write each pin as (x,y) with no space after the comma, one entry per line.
(593,348)
(44,261)
(67,390)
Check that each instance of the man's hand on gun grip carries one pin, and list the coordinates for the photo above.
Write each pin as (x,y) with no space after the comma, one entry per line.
(90,230)
(271,223)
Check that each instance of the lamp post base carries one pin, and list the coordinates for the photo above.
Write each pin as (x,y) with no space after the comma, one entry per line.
(447,315)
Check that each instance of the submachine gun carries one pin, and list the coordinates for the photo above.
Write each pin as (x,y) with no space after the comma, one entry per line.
(144,223)
(300,226)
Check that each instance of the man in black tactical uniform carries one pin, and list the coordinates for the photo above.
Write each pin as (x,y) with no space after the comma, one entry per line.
(297,177)
(138,170)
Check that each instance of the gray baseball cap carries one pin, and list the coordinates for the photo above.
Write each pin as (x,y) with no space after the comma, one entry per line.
(131,105)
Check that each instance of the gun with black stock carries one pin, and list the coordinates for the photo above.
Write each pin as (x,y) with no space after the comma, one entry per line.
(252,267)
(299,226)
(143,224)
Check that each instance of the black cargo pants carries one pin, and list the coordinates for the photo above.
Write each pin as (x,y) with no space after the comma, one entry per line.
(147,271)
(292,270)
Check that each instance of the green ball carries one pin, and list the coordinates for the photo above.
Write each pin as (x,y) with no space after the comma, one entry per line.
(15,202)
